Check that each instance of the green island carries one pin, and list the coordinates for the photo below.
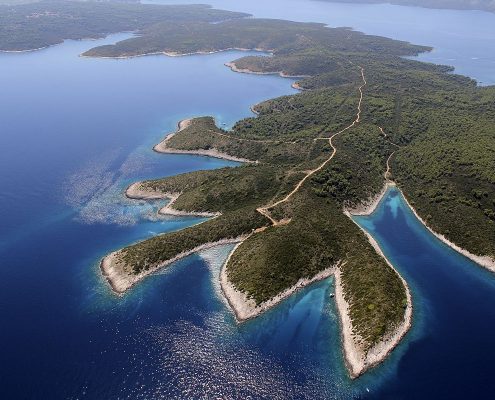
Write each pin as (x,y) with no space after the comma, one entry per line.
(33,26)
(367,117)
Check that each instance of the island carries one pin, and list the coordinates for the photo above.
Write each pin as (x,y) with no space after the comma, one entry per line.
(367,117)
(36,25)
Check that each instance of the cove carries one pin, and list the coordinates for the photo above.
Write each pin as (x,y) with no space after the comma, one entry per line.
(76,132)
(448,352)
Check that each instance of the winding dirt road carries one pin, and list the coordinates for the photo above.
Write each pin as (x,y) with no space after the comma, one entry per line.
(387,172)
(266,209)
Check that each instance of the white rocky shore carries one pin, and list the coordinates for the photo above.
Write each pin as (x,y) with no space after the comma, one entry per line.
(369,206)
(138,192)
(485,261)
(245,308)
(163,147)
(357,359)
(121,279)
(232,65)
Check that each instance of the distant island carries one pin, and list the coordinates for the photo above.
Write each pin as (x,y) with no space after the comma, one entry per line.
(41,24)
(480,5)
(366,118)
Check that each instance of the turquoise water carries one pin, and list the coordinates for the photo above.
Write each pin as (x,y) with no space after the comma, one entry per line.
(74,132)
(448,352)
(463,39)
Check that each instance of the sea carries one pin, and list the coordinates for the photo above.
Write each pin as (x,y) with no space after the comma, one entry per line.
(75,132)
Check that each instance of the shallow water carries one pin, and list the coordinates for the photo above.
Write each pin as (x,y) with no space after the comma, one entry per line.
(463,39)
(74,132)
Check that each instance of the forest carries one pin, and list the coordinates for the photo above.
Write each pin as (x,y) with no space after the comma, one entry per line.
(313,154)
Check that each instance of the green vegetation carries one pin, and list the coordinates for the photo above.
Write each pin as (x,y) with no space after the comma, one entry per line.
(449,173)
(282,139)
(45,23)
(291,42)
(356,172)
(418,105)
(220,190)
(318,236)
(152,252)
(442,122)
(204,134)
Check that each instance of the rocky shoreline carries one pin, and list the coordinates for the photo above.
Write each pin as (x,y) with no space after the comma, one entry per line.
(163,147)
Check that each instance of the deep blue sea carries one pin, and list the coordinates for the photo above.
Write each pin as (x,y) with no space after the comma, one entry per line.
(74,132)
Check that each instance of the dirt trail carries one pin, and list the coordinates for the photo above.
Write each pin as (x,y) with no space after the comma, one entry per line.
(387,172)
(249,140)
(266,209)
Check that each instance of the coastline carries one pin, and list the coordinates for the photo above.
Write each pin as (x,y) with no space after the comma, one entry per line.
(163,147)
(30,50)
(369,206)
(230,64)
(136,192)
(244,308)
(282,74)
(120,281)
(177,54)
(356,360)
(64,40)
(485,261)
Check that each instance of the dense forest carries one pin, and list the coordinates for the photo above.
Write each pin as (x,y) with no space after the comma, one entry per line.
(432,114)
(314,153)
(287,138)
(439,125)
(45,23)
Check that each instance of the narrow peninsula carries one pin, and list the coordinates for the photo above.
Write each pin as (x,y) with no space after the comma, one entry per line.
(313,159)
(367,116)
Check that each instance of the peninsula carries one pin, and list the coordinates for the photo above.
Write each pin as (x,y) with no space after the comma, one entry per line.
(367,116)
